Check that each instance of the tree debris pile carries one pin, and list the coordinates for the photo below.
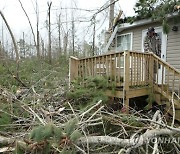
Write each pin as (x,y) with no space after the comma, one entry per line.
(51,119)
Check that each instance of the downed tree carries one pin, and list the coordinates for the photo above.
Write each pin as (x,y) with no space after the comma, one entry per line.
(59,125)
(132,142)
(81,122)
(128,143)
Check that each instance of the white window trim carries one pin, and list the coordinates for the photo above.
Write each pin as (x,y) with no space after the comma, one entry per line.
(131,33)
(131,45)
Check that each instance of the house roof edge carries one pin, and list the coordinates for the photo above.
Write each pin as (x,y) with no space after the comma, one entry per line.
(142,22)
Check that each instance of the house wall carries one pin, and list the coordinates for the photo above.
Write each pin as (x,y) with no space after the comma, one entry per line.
(173,42)
(173,48)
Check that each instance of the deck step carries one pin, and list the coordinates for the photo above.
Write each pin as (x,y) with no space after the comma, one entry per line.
(164,99)
(177,113)
(177,106)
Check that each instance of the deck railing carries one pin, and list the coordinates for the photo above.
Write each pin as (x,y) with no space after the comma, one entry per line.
(129,70)
(133,67)
(167,78)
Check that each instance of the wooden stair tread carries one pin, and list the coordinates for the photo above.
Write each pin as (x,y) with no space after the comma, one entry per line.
(177,113)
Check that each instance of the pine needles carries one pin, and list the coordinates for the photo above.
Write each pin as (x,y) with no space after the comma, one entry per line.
(45,138)
(90,91)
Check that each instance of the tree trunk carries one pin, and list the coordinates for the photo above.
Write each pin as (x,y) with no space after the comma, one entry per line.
(34,38)
(135,142)
(24,52)
(111,13)
(94,36)
(59,33)
(38,44)
(37,28)
(49,32)
(73,35)
(12,36)
(43,49)
(65,42)
(1,50)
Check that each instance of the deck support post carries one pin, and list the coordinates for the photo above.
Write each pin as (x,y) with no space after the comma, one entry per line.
(73,68)
(126,80)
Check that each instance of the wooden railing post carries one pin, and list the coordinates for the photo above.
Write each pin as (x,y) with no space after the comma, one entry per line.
(126,80)
(113,67)
(152,75)
(73,68)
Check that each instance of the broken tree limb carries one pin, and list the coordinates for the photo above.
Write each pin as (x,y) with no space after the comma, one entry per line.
(128,144)
(37,116)
(144,138)
(163,125)
(98,103)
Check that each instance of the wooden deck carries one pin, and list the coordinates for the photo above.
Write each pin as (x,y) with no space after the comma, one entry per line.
(133,73)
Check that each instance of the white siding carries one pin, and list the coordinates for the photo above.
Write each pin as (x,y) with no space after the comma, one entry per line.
(173,48)
(173,42)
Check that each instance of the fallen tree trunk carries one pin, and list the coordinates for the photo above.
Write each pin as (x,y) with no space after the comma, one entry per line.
(133,142)
(137,141)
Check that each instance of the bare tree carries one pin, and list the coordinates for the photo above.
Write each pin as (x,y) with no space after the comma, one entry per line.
(94,36)
(24,46)
(49,32)
(37,29)
(12,51)
(65,43)
(12,36)
(37,25)
(73,34)
(73,29)
(59,32)
(66,36)
(2,37)
(43,48)
(1,50)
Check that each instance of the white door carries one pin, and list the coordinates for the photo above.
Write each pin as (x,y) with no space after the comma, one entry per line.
(163,37)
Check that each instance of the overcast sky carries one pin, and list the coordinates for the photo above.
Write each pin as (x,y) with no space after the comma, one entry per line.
(18,21)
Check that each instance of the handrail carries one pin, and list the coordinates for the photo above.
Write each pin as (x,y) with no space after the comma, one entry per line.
(115,52)
(106,54)
(75,58)
(165,63)
(170,78)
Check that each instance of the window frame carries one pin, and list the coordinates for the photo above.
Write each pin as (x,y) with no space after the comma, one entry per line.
(131,38)
(131,44)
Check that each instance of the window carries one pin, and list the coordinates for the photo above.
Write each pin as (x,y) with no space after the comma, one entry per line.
(124,42)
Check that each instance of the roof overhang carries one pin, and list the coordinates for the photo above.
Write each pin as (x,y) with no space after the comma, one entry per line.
(141,22)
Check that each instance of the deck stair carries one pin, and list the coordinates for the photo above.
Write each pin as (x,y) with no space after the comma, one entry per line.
(134,74)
